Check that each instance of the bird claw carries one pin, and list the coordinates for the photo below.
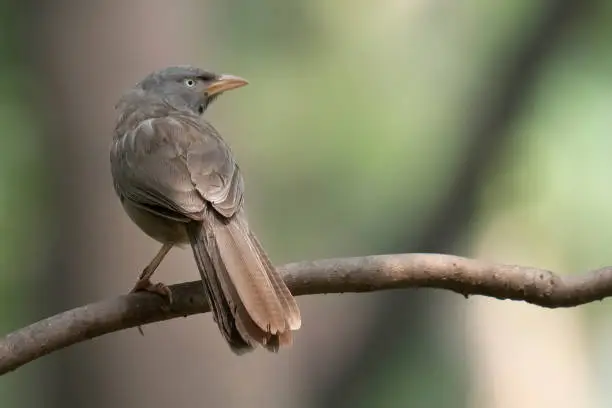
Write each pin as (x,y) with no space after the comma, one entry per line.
(145,285)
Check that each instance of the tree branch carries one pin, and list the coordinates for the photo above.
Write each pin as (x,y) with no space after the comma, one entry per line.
(372,273)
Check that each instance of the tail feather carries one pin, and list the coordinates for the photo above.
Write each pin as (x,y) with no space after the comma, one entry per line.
(215,292)
(290,307)
(249,299)
(249,276)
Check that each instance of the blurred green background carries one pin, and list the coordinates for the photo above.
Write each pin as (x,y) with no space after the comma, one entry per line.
(466,127)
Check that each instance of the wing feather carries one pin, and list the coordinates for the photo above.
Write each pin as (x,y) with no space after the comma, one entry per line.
(174,165)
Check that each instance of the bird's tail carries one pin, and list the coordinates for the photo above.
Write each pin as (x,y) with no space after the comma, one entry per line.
(249,300)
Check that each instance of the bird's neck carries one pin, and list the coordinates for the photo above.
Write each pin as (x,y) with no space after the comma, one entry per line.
(132,111)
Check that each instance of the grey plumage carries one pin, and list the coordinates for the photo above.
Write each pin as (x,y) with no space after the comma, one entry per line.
(178,181)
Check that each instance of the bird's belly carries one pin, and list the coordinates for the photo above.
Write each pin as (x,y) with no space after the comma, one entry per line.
(161,229)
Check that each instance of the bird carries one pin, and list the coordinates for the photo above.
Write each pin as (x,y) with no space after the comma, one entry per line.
(178,181)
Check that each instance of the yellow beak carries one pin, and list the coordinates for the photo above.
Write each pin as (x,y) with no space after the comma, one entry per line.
(225,83)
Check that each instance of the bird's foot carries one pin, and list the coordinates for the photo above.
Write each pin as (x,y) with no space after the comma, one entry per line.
(145,285)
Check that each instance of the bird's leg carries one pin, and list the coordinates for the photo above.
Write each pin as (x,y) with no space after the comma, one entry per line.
(144,280)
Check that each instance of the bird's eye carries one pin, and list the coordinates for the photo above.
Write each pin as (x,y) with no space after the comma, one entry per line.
(189,82)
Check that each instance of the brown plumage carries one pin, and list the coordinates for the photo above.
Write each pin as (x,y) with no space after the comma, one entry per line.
(178,181)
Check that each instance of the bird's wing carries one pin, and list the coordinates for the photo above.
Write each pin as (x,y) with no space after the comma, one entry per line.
(173,165)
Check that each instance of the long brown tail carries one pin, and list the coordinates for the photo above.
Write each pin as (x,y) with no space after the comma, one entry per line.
(249,300)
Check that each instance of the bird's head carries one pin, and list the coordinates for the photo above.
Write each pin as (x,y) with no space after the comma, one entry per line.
(188,88)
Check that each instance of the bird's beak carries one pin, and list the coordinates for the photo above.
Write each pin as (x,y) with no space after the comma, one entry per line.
(225,83)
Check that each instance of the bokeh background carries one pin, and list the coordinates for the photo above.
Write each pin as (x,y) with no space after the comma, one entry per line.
(476,128)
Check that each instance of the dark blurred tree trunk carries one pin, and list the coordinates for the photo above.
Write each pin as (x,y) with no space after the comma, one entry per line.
(487,133)
(84,54)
